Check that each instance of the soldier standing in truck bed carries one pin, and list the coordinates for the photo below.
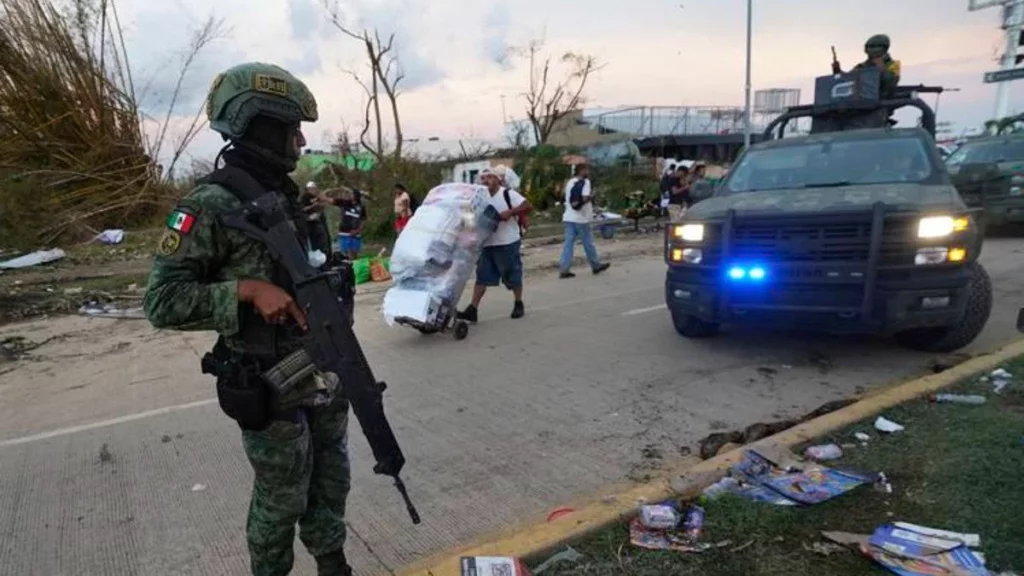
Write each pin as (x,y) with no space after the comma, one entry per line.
(877,50)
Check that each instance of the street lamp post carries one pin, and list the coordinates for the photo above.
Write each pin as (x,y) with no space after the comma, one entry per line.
(746,113)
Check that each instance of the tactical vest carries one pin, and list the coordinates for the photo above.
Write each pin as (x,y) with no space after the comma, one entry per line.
(268,343)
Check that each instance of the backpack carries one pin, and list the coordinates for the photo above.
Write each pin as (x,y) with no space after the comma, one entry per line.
(522,219)
(576,194)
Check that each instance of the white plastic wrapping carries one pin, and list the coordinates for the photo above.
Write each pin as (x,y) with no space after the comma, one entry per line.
(436,253)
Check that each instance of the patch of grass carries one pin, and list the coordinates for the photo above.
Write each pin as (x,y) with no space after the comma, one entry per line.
(956,467)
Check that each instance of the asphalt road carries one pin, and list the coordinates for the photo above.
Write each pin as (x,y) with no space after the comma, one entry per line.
(115,459)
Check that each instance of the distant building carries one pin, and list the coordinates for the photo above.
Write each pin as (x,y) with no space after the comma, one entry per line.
(708,133)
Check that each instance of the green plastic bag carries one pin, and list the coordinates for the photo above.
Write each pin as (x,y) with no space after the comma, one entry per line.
(361,268)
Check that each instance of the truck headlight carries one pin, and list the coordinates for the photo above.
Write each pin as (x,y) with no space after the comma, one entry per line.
(689,232)
(941,226)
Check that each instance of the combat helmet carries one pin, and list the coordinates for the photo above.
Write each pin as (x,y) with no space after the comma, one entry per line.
(258,90)
(877,46)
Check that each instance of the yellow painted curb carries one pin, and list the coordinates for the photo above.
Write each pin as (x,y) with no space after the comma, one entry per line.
(688,480)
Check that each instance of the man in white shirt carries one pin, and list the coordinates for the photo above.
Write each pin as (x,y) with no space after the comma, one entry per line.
(577,221)
(500,261)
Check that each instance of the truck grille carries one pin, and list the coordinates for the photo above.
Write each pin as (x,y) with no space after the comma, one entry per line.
(838,242)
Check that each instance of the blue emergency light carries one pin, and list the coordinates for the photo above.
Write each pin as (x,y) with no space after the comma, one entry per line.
(755,273)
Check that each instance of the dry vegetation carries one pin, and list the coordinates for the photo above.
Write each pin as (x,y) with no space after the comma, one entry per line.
(73,154)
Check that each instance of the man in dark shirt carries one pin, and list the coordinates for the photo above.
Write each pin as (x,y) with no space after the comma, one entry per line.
(350,226)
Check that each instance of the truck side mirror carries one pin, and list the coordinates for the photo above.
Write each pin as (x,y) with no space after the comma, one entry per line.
(1020,320)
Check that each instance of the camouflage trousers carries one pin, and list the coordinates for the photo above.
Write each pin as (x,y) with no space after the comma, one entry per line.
(302,476)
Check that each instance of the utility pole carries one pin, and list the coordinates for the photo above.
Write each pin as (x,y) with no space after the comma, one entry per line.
(746,114)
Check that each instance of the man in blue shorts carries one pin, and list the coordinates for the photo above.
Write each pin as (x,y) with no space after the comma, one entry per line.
(500,261)
(350,226)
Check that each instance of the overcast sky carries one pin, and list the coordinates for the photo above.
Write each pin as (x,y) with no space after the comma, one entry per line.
(658,52)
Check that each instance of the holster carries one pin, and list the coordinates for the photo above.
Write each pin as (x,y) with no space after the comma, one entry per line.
(242,392)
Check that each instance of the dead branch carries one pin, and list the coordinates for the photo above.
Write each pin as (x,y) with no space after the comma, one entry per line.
(549,100)
(386,75)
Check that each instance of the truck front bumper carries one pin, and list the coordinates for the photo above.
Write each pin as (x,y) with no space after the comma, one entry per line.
(892,301)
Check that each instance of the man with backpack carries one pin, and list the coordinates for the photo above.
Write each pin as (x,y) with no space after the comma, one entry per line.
(579,214)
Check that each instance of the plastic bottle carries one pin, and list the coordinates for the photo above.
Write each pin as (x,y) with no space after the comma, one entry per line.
(958,399)
(825,452)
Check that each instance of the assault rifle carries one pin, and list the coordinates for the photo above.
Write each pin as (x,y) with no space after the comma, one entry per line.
(330,342)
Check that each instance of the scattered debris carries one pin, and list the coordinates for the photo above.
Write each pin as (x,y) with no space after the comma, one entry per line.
(883,424)
(716,442)
(72,291)
(105,455)
(767,372)
(957,399)
(684,536)
(559,512)
(862,437)
(883,484)
(34,259)
(784,481)
(824,548)
(1000,380)
(97,310)
(199,488)
(911,553)
(165,438)
(824,452)
(480,565)
(659,517)
(970,540)
(568,555)
(113,236)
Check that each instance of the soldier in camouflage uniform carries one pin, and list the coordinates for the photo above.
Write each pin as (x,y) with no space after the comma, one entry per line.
(209,277)
(877,50)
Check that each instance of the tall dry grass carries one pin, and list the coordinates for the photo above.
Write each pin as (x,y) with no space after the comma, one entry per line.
(73,155)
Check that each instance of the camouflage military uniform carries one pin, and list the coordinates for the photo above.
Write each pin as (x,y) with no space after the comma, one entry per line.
(878,47)
(300,459)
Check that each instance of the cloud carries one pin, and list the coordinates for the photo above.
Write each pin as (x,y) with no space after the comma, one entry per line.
(496,36)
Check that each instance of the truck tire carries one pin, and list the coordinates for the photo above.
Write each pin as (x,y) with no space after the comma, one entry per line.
(693,327)
(950,338)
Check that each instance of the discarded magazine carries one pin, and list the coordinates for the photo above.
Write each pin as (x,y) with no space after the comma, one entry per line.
(786,483)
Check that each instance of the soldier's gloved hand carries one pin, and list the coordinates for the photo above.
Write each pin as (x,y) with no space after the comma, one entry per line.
(273,303)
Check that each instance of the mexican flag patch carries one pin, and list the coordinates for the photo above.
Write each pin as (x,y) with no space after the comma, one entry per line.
(180,221)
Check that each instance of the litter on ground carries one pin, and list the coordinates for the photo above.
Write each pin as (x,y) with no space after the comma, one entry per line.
(487,565)
(883,424)
(34,259)
(786,483)
(110,311)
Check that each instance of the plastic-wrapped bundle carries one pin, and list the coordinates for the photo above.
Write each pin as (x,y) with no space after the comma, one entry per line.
(436,253)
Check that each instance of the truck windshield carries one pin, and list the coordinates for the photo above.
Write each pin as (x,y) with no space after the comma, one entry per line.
(989,151)
(835,164)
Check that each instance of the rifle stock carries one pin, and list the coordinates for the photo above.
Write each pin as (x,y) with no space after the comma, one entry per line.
(330,342)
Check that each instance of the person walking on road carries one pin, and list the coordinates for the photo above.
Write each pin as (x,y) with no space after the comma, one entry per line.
(578,216)
(206,276)
(501,258)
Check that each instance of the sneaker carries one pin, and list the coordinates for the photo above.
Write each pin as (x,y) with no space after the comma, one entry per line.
(469,314)
(518,310)
(566,274)
(601,268)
